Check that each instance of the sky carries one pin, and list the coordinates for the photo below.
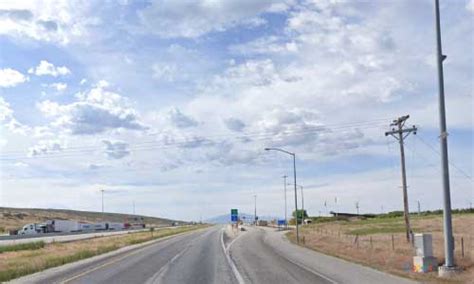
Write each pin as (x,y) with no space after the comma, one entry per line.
(169,105)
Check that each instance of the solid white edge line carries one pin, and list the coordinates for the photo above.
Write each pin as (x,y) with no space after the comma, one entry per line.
(231,263)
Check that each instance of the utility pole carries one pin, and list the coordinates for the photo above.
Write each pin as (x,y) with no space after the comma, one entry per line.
(286,213)
(400,133)
(335,202)
(419,208)
(255,212)
(448,230)
(357,207)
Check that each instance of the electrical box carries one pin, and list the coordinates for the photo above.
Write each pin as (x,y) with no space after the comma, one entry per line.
(424,261)
(424,245)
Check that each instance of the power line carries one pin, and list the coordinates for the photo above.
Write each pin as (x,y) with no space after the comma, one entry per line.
(204,141)
(466,175)
(320,128)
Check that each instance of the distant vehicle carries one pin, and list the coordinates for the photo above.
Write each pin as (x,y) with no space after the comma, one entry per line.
(32,229)
(307,221)
(69,226)
(115,226)
(262,223)
(135,223)
(63,226)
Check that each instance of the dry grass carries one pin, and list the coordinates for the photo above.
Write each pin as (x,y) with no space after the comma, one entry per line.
(369,242)
(18,263)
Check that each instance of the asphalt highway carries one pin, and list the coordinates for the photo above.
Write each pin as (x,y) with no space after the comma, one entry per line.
(206,256)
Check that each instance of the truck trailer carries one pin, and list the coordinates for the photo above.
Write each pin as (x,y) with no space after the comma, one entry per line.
(63,226)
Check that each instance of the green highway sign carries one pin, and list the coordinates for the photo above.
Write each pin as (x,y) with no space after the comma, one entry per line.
(234,212)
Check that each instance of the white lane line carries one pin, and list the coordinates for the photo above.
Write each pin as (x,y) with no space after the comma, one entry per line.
(232,242)
(138,249)
(158,277)
(231,263)
(302,266)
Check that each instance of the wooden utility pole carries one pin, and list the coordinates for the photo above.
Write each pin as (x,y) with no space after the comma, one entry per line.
(400,133)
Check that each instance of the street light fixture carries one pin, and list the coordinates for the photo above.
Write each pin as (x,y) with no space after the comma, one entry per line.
(296,193)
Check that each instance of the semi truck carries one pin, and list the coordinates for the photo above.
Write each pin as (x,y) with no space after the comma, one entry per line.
(32,229)
(69,226)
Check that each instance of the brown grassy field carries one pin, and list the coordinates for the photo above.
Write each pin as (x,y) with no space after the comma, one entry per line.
(369,242)
(14,264)
(15,218)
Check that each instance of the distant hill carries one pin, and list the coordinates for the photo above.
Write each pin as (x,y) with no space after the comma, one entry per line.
(224,219)
(14,218)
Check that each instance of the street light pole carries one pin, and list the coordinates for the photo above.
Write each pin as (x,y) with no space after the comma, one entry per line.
(296,192)
(255,212)
(296,199)
(102,191)
(286,214)
(302,202)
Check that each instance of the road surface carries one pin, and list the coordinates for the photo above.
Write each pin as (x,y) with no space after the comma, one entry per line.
(63,237)
(205,256)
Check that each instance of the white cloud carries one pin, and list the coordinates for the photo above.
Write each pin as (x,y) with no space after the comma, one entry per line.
(60,87)
(6,113)
(234,124)
(470,6)
(46,68)
(116,149)
(9,121)
(166,72)
(96,111)
(10,78)
(193,19)
(180,120)
(45,147)
(56,21)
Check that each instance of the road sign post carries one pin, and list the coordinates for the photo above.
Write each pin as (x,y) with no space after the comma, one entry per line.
(234,216)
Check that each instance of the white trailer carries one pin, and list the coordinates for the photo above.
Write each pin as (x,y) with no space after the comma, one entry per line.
(100,226)
(115,226)
(65,226)
(86,227)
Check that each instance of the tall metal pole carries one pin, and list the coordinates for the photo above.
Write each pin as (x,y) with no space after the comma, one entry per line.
(255,212)
(296,192)
(302,200)
(286,213)
(448,231)
(102,201)
(296,199)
